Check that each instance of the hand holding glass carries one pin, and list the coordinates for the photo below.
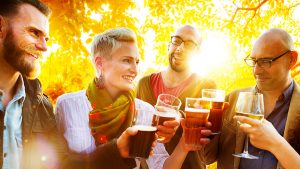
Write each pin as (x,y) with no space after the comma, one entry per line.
(167,109)
(251,105)
(197,112)
(141,143)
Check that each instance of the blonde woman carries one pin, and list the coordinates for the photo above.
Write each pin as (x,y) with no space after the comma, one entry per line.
(98,116)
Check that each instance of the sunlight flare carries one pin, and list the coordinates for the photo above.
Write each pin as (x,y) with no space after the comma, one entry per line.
(296,13)
(50,50)
(140,12)
(84,37)
(213,55)
(150,53)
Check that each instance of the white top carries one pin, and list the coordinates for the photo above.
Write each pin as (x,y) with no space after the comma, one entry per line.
(72,111)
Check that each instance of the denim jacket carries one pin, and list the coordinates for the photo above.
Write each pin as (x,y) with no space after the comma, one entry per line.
(41,144)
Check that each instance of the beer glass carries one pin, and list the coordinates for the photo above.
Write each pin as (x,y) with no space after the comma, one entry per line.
(216,97)
(249,104)
(197,113)
(167,109)
(141,143)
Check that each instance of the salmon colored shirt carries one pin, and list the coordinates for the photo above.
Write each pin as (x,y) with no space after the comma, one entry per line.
(159,87)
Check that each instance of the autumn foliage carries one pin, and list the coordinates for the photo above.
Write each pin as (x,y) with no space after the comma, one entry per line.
(235,23)
(75,22)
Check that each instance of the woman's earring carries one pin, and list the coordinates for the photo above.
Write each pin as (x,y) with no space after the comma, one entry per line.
(100,81)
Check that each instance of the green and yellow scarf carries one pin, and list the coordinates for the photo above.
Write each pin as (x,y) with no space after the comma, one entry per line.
(108,118)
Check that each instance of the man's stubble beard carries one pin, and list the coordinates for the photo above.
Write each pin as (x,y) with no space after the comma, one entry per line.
(178,69)
(13,56)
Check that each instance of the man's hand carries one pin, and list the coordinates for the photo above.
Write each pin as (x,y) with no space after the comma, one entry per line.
(262,134)
(167,130)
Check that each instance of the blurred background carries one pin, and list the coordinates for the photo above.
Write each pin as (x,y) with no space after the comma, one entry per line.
(229,29)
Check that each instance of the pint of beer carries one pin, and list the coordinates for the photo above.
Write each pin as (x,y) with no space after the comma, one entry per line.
(217,98)
(141,143)
(163,114)
(166,109)
(197,112)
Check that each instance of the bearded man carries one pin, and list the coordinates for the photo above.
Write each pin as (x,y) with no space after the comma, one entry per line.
(177,80)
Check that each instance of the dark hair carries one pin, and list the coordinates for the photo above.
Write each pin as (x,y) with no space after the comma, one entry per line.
(11,7)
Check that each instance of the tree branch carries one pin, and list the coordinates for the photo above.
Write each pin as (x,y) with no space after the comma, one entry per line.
(254,9)
(296,65)
(295,73)
(293,6)
(254,14)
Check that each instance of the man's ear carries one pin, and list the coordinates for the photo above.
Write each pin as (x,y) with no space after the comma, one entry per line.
(294,59)
(3,27)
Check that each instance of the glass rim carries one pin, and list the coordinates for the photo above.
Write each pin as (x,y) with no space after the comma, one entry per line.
(172,96)
(165,94)
(196,99)
(219,95)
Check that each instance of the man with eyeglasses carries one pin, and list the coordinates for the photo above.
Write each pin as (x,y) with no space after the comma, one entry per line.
(275,140)
(263,62)
(177,80)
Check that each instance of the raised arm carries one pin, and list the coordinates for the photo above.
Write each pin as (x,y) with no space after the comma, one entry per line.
(180,152)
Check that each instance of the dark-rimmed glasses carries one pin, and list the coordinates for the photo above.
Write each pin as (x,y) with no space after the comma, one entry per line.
(189,44)
(263,62)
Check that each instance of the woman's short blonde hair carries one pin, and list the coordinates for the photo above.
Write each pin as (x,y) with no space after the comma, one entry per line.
(105,43)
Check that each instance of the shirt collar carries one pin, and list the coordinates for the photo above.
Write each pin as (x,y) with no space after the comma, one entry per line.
(286,93)
(20,88)
(20,91)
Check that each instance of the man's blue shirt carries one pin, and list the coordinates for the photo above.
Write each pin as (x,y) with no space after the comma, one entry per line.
(12,130)
(278,118)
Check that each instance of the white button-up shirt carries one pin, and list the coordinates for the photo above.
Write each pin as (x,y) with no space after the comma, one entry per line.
(72,110)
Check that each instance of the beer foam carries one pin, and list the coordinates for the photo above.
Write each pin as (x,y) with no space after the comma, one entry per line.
(218,99)
(165,109)
(167,114)
(145,128)
(195,110)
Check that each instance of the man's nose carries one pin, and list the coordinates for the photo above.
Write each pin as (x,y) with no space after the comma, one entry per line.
(181,47)
(257,69)
(41,44)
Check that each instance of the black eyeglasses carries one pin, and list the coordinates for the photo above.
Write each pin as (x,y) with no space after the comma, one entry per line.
(263,62)
(189,44)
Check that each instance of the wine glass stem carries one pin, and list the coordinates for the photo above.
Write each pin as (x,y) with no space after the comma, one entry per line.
(246,145)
